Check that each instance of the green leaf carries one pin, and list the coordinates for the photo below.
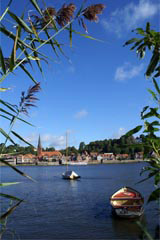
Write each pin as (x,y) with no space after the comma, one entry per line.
(157,179)
(13,55)
(4,111)
(149,176)
(5,215)
(147,235)
(35,4)
(36,55)
(148,27)
(156,85)
(8,105)
(8,184)
(152,65)
(26,54)
(25,122)
(26,71)
(144,169)
(9,197)
(34,30)
(6,135)
(136,44)
(81,9)
(155,195)
(140,31)
(142,54)
(153,94)
(70,34)
(51,42)
(20,22)
(155,123)
(2,61)
(5,12)
(5,117)
(22,139)
(13,120)
(131,41)
(34,58)
(12,36)
(144,109)
(20,28)
(158,72)
(151,129)
(4,89)
(154,163)
(16,169)
(86,36)
(133,131)
(153,113)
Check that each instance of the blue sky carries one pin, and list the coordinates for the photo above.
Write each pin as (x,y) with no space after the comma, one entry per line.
(97,92)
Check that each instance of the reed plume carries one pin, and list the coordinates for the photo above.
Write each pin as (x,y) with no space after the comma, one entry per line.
(7,62)
(49,13)
(91,12)
(65,14)
(28,100)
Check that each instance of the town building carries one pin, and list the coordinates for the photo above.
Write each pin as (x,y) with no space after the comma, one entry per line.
(46,155)
(25,159)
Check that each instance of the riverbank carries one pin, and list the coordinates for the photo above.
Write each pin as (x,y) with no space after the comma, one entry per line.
(95,162)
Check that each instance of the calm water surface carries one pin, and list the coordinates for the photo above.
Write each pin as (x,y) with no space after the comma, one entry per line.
(61,209)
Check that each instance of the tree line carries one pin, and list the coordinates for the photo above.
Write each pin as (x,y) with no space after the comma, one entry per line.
(124,145)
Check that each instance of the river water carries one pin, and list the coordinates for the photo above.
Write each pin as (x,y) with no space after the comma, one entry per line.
(60,209)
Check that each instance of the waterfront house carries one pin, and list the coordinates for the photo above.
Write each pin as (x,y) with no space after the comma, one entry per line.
(9,158)
(50,156)
(25,159)
(139,155)
(108,156)
(124,156)
(93,155)
(46,155)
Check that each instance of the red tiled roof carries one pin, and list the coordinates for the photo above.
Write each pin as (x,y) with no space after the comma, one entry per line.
(50,154)
(107,154)
(29,155)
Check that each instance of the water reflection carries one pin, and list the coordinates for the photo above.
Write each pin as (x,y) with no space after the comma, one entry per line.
(128,227)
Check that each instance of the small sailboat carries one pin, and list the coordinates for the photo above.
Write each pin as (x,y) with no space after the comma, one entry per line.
(127,203)
(68,174)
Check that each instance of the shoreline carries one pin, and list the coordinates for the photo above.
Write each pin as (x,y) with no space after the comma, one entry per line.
(89,163)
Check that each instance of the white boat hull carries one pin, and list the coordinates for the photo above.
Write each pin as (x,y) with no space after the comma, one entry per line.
(127,203)
(125,213)
(77,163)
(70,175)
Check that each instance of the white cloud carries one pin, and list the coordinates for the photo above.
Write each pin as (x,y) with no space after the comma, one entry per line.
(127,71)
(50,140)
(58,142)
(130,16)
(81,114)
(121,131)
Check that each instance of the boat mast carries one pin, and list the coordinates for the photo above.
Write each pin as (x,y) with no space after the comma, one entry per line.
(67,150)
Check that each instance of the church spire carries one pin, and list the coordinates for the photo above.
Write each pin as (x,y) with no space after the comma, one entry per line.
(39,148)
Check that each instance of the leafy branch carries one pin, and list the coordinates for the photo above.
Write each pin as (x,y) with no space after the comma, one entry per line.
(150,115)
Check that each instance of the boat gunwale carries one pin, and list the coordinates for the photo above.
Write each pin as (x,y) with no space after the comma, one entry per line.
(137,208)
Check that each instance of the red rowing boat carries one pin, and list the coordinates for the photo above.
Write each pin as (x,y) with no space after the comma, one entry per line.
(127,203)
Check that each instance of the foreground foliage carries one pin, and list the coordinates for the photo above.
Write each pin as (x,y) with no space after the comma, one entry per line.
(150,40)
(28,38)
